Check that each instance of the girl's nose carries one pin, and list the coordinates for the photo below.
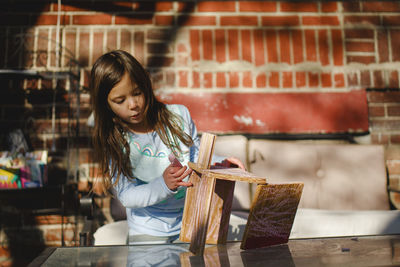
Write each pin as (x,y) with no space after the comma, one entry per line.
(132,103)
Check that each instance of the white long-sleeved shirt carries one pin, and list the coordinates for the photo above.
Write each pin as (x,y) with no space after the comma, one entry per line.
(152,208)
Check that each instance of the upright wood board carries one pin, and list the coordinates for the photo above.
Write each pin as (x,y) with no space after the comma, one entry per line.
(271,215)
(192,206)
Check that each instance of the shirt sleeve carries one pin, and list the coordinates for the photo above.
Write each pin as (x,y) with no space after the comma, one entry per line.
(133,194)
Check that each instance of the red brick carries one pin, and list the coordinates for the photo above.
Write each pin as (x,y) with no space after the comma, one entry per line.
(164,20)
(366,78)
(170,78)
(297,41)
(261,80)
(197,20)
(207,38)
(359,33)
(233,80)
(246,45)
(384,97)
(273,79)
(233,42)
(362,20)
(351,6)
(395,139)
(207,79)
(311,49)
(163,6)
(299,7)
(284,42)
(361,59)
(393,167)
(321,20)
(111,40)
(183,81)
(271,43)
(393,110)
(195,44)
(186,6)
(337,47)
(301,79)
(136,19)
(280,21)
(379,138)
(394,79)
(358,46)
(196,79)
(329,6)
(220,45)
(70,42)
(84,49)
(376,111)
(139,46)
(378,79)
(323,47)
(216,6)
(97,45)
(395,42)
(389,20)
(379,6)
(339,80)
(221,80)
(247,79)
(259,56)
(97,19)
(257,6)
(238,21)
(126,40)
(47,19)
(326,79)
(313,79)
(287,79)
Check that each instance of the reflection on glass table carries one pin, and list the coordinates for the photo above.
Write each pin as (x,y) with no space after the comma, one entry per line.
(348,251)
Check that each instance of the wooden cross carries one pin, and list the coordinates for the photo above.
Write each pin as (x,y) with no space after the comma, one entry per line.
(209,201)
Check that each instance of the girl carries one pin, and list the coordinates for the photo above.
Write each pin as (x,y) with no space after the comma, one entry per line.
(134,134)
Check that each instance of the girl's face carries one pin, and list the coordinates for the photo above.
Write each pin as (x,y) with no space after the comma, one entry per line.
(127,101)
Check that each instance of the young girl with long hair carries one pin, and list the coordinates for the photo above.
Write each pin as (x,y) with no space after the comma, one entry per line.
(134,136)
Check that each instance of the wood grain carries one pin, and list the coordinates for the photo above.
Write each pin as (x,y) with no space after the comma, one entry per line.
(271,215)
(232,174)
(220,212)
(193,216)
(201,214)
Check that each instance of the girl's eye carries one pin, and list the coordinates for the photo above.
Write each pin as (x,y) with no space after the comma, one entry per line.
(137,93)
(119,101)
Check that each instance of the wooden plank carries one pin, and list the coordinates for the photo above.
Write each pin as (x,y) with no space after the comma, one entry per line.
(232,174)
(206,150)
(271,215)
(220,212)
(201,214)
(188,215)
(193,209)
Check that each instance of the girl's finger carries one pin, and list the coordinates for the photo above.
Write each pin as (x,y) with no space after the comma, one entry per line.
(187,184)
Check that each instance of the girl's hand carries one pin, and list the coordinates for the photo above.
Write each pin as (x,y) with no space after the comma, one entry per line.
(173,176)
(231,162)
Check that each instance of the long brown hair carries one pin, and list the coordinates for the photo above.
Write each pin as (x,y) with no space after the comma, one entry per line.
(110,145)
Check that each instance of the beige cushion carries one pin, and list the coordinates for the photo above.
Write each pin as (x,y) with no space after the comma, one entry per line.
(335,176)
(235,146)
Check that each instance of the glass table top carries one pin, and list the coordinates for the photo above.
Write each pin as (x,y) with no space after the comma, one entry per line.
(346,251)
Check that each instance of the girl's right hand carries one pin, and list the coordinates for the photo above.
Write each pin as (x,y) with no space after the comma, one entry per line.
(173,176)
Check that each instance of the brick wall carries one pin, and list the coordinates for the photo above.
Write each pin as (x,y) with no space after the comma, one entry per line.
(211,49)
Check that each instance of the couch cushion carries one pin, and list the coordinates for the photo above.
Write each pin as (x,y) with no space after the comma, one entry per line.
(235,146)
(335,176)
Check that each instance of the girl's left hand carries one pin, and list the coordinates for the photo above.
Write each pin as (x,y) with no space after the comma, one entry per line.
(173,176)
(228,162)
